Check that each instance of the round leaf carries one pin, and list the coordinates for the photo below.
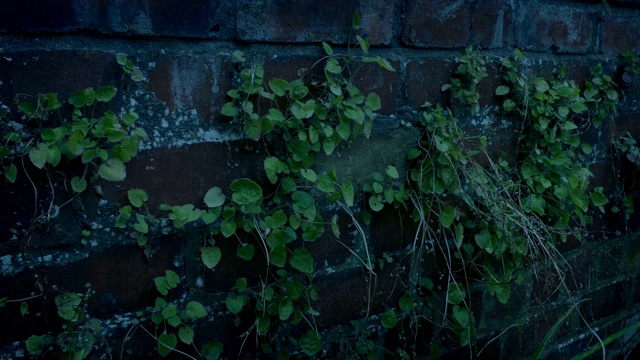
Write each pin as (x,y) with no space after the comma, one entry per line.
(389,319)
(166,343)
(311,343)
(211,256)
(214,197)
(137,197)
(245,191)
(186,334)
(113,170)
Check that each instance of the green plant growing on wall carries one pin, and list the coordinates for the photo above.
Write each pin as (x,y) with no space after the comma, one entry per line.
(78,334)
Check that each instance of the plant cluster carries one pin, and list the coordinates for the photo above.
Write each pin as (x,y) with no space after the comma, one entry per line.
(487,216)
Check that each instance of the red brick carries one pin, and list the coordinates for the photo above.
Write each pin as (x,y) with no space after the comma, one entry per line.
(184,175)
(619,34)
(424,81)
(446,23)
(306,21)
(559,28)
(61,71)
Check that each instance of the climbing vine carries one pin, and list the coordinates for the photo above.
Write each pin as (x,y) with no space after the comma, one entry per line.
(489,216)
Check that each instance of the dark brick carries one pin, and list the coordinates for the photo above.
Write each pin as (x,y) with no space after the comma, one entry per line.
(581,271)
(629,3)
(391,230)
(604,302)
(424,81)
(559,28)
(189,82)
(64,72)
(619,34)
(446,23)
(193,18)
(184,175)
(36,15)
(346,295)
(373,78)
(305,21)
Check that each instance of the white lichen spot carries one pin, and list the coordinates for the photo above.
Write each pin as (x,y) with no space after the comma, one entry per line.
(199,282)
(164,123)
(47,258)
(7,263)
(8,58)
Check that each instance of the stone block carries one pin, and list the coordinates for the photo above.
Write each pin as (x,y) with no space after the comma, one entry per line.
(561,29)
(26,74)
(445,23)
(604,302)
(191,82)
(619,34)
(305,21)
(183,175)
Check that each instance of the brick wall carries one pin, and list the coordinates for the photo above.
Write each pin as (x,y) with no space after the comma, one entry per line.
(184,49)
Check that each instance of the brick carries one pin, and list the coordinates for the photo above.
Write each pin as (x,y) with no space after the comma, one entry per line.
(37,15)
(190,82)
(445,23)
(61,71)
(604,302)
(424,81)
(619,34)
(373,78)
(305,21)
(391,230)
(627,3)
(343,296)
(196,18)
(561,29)
(183,175)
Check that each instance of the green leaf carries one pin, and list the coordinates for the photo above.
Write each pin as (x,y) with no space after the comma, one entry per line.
(137,197)
(455,294)
(335,228)
(172,278)
(78,185)
(137,75)
(392,172)
(540,85)
(375,202)
(253,129)
(229,109)
(333,66)
(461,315)
(304,204)
(598,198)
(347,192)
(327,48)
(508,105)
(235,303)
(228,227)
(112,170)
(212,350)
(309,174)
(406,303)
(447,216)
(214,197)
(302,260)
(239,55)
(389,319)
(195,310)
(311,343)
(37,344)
(77,99)
(355,23)
(246,252)
(502,90)
(245,191)
(364,44)
(279,86)
(106,93)
(528,170)
(186,334)
(484,240)
(278,256)
(38,155)
(373,102)
(166,344)
(24,308)
(11,172)
(211,256)
(285,309)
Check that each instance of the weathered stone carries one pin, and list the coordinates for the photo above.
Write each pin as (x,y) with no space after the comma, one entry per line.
(447,23)
(424,81)
(620,34)
(305,21)
(561,29)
